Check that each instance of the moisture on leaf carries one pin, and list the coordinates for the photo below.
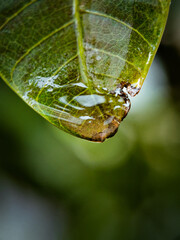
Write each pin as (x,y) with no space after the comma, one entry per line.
(76,61)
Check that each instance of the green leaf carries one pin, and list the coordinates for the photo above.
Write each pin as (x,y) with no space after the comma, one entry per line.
(76,61)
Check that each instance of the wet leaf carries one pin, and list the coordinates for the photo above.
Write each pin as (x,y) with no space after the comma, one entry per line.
(76,61)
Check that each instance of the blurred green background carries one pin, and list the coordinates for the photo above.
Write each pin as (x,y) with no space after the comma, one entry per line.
(54,186)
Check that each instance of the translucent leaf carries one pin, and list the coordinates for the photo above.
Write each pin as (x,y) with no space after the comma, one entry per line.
(76,61)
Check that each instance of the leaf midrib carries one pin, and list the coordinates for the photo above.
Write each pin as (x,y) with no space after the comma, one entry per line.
(80,45)
(79,35)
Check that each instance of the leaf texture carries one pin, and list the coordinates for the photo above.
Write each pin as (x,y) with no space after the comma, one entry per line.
(76,61)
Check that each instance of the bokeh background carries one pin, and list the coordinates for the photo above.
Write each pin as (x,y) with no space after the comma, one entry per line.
(54,186)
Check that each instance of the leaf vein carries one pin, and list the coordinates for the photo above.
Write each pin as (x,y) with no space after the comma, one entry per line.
(16,14)
(56,72)
(114,55)
(119,21)
(37,44)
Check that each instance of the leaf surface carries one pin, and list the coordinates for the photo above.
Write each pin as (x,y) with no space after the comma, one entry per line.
(76,61)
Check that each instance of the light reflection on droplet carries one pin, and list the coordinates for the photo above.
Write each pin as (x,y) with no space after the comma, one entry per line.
(80,84)
(66,103)
(86,118)
(90,100)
